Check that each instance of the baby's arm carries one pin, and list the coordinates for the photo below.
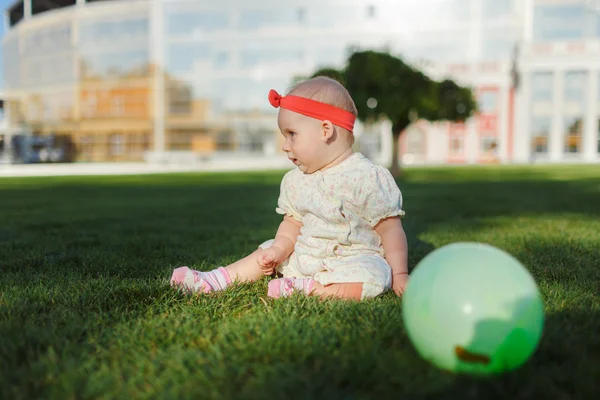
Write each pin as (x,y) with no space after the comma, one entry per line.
(393,240)
(286,236)
(282,247)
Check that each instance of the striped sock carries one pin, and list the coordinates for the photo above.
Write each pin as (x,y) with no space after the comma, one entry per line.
(197,281)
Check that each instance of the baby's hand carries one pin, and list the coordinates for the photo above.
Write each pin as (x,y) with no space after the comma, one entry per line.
(399,283)
(269,259)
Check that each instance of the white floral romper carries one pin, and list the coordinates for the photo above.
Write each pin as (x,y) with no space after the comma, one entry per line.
(339,208)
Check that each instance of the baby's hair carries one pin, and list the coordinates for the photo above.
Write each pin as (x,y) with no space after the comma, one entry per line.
(328,91)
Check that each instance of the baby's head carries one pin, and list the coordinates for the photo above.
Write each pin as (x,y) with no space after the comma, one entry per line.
(312,142)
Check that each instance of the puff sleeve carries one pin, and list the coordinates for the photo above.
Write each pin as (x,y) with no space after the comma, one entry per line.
(378,196)
(288,195)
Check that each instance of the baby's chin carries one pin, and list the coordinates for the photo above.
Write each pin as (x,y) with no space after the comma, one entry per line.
(306,170)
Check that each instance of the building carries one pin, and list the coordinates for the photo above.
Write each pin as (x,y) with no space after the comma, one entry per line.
(162,79)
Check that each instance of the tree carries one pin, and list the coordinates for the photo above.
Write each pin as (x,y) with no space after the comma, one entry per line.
(383,85)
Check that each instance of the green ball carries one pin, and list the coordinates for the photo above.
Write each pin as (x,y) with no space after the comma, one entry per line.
(472,308)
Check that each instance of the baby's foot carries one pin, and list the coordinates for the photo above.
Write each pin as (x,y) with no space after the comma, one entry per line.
(284,287)
(197,281)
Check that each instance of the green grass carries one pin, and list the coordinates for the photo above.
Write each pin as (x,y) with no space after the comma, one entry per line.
(86,311)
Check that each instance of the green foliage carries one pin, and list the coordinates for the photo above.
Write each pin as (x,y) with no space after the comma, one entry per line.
(331,73)
(383,85)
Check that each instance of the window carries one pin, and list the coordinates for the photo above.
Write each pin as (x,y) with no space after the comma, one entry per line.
(224,141)
(576,87)
(87,146)
(115,64)
(573,131)
(118,105)
(489,144)
(542,85)
(343,13)
(11,62)
(540,132)
(180,100)
(181,57)
(251,143)
(451,47)
(38,7)
(575,96)
(221,60)
(16,13)
(95,33)
(116,144)
(47,40)
(488,101)
(90,104)
(560,22)
(262,18)
(456,145)
(193,22)
(498,44)
(494,9)
(257,55)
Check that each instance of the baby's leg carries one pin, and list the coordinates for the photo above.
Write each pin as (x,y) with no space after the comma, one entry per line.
(244,270)
(357,278)
(351,291)
(284,287)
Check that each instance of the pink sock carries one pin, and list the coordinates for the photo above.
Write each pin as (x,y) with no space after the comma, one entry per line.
(285,287)
(197,281)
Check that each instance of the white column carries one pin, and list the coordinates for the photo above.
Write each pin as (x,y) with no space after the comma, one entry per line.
(590,125)
(557,129)
(157,58)
(26,9)
(522,130)
(81,2)
(528,14)
(503,121)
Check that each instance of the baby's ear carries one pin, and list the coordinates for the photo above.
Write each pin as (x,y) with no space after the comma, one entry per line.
(327,129)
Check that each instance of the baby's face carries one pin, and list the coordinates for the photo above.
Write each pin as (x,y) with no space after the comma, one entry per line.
(304,143)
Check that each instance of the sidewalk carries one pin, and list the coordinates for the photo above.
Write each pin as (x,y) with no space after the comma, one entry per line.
(216,165)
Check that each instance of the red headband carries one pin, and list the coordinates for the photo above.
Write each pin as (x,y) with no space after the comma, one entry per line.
(314,109)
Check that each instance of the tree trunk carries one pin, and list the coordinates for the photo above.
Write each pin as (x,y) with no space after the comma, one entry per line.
(395,168)
(397,130)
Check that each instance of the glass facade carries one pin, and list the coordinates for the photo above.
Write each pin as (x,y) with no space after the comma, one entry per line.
(93,75)
(565,20)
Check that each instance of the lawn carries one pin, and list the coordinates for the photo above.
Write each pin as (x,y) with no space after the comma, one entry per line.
(86,310)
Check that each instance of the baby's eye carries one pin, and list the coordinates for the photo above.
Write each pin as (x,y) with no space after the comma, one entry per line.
(292,134)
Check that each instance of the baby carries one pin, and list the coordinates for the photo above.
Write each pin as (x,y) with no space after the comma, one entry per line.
(341,234)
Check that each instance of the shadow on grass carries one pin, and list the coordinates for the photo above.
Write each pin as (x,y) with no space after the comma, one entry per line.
(55,236)
(186,218)
(565,365)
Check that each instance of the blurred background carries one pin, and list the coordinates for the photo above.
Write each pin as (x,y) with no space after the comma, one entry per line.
(186,81)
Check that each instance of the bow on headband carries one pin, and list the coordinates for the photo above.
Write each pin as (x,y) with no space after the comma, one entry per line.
(313,109)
